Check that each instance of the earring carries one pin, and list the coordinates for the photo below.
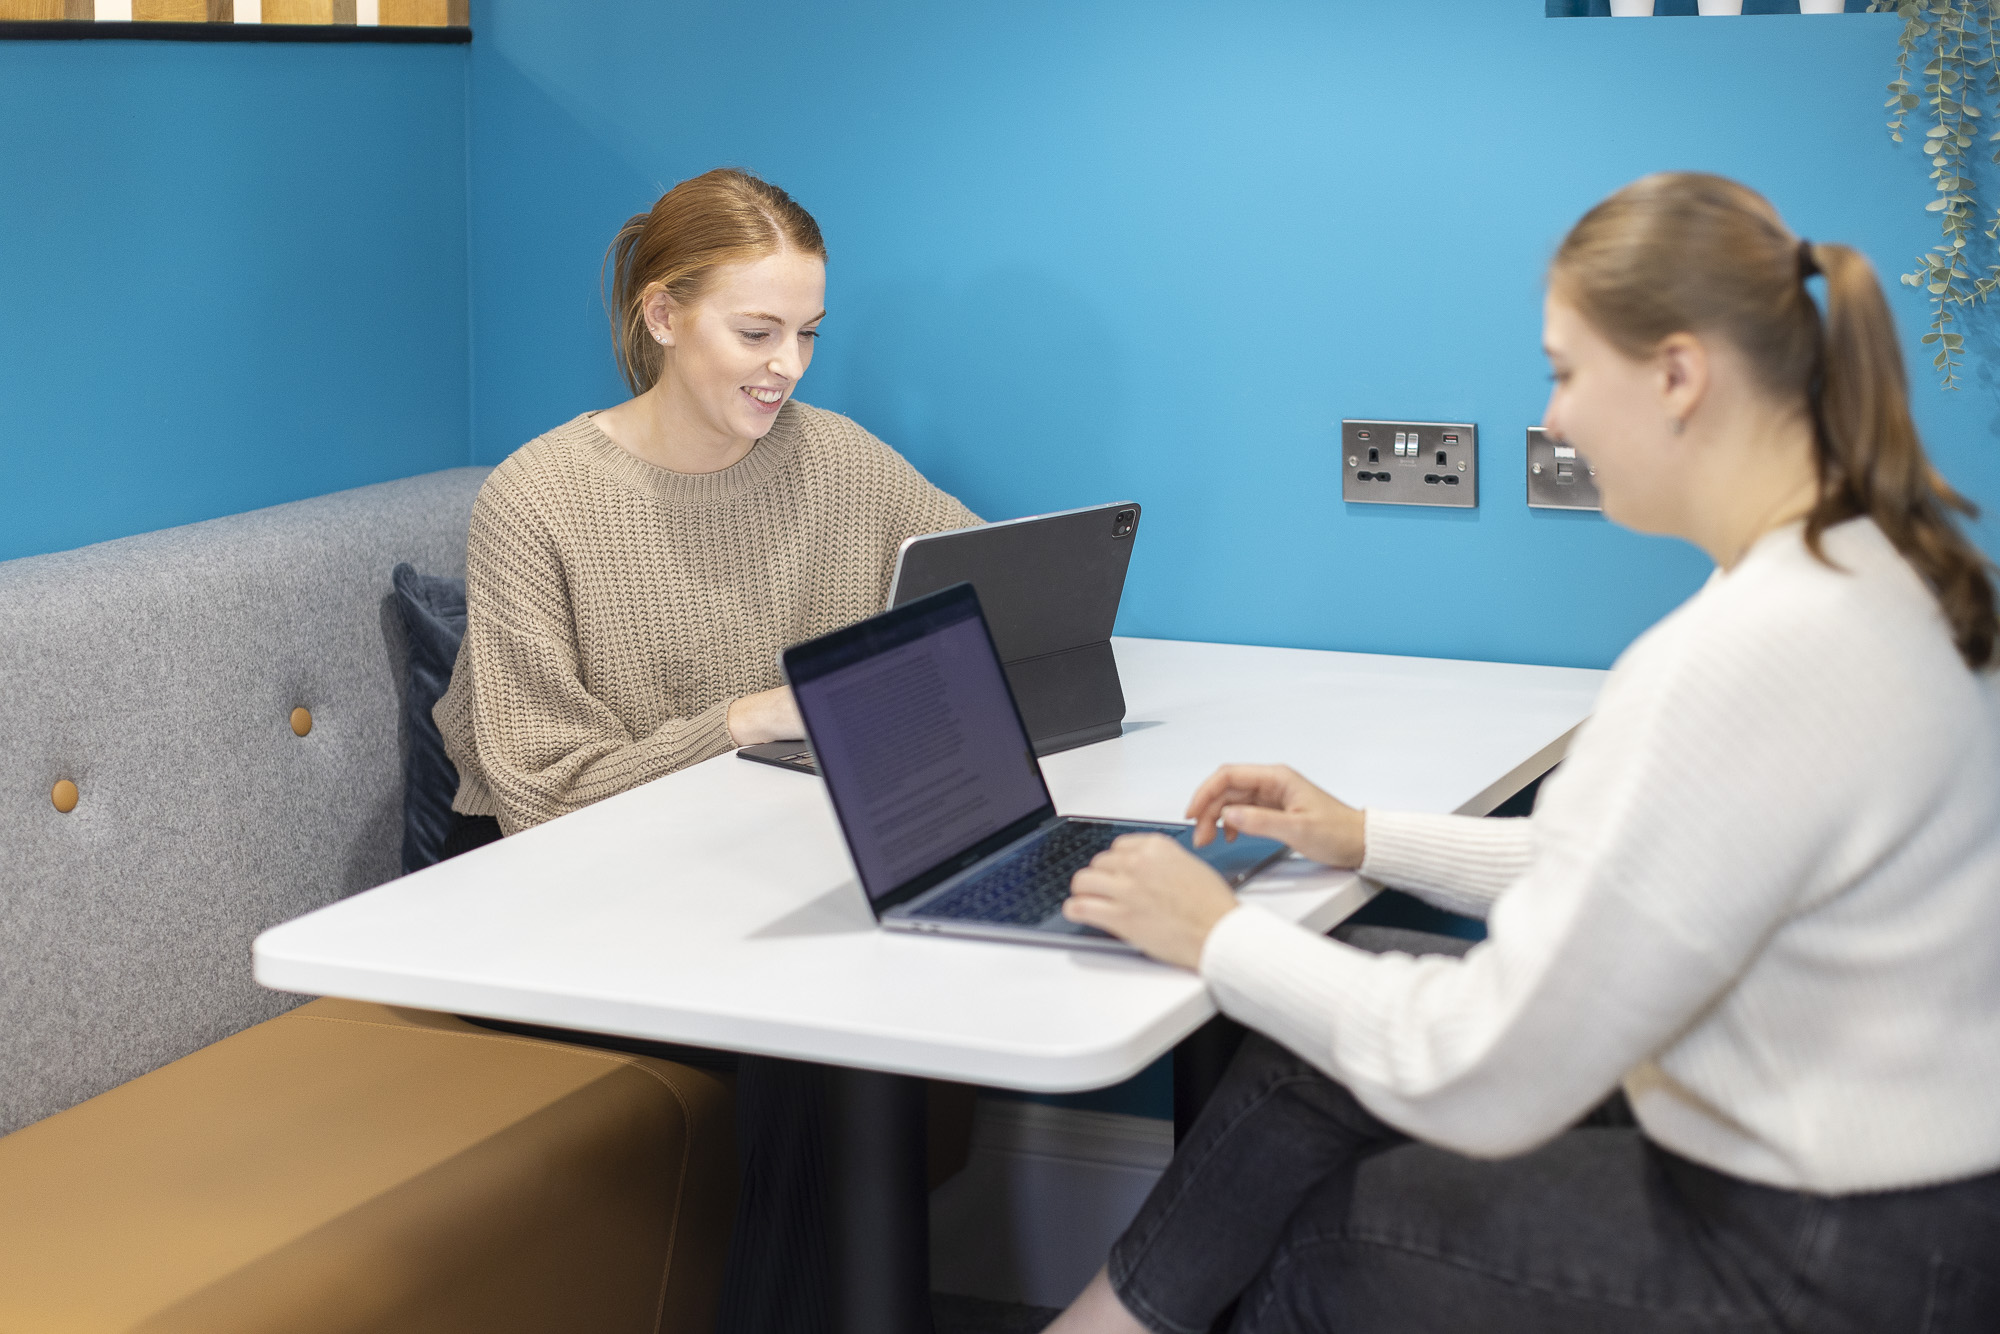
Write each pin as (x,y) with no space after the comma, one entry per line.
(659,338)
(1676,425)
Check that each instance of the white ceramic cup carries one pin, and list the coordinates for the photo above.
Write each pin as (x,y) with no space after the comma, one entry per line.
(1822,6)
(1631,9)
(1719,6)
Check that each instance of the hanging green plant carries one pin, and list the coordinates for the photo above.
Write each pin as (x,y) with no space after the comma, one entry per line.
(1959,37)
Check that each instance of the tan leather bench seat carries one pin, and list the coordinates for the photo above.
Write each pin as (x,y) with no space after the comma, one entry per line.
(351,1167)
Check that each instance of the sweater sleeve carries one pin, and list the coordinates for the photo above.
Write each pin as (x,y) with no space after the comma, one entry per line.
(1456,862)
(528,737)
(1668,848)
(913,505)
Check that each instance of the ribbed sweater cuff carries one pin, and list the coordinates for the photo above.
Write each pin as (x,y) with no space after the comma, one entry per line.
(705,735)
(1456,862)
(1280,979)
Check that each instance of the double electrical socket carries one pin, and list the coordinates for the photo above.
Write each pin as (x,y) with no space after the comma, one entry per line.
(1559,478)
(1437,463)
(1410,463)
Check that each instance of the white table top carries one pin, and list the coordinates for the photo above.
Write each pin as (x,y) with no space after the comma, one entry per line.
(717,907)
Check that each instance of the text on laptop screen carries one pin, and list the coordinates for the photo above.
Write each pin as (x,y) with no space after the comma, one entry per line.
(922,748)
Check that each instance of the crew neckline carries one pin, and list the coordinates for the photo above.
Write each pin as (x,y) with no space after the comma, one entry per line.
(765,458)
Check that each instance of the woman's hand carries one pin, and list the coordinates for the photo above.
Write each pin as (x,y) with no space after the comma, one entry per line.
(1149,890)
(1272,801)
(768,715)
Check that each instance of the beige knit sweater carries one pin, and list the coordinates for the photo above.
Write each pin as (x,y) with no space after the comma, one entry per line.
(615,610)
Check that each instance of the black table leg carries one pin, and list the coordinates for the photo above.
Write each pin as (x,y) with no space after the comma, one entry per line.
(1199,1061)
(878,1202)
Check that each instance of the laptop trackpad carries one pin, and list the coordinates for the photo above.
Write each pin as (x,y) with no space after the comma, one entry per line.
(1062,926)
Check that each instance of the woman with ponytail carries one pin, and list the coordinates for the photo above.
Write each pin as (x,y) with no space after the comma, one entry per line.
(1729,1056)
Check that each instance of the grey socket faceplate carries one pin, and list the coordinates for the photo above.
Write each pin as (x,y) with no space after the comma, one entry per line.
(1559,478)
(1411,478)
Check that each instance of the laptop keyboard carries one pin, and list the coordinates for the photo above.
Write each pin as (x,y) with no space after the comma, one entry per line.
(1031,884)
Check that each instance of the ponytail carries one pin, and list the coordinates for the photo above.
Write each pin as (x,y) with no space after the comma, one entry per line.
(1871,461)
(1687,251)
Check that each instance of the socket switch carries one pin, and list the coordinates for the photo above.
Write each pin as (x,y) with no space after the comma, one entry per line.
(1559,478)
(1410,463)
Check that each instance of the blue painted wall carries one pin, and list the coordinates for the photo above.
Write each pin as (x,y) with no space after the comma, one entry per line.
(1156,249)
(230,275)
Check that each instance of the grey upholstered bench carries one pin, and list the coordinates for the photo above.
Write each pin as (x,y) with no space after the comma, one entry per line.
(200,737)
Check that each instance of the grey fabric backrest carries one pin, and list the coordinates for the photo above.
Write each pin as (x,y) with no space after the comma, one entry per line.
(159,673)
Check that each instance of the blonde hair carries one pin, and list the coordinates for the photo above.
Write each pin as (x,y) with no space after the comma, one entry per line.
(1690,252)
(720,217)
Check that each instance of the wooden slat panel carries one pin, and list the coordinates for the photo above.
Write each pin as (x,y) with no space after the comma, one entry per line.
(298,11)
(393,13)
(415,13)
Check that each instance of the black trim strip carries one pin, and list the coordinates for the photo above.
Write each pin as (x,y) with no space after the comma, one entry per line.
(70,30)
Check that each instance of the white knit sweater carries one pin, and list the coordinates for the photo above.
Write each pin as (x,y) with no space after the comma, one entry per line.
(1763,891)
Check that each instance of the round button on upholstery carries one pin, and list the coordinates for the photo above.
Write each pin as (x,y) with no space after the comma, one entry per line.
(64,795)
(302,721)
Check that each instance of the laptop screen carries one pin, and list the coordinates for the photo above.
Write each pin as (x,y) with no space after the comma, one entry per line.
(916,733)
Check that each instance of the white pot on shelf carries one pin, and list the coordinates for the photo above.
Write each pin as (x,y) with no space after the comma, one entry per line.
(1631,9)
(1719,6)
(1822,6)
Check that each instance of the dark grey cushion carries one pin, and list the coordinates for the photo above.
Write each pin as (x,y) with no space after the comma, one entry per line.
(433,609)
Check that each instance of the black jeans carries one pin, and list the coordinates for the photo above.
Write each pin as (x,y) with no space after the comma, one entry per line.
(1294,1202)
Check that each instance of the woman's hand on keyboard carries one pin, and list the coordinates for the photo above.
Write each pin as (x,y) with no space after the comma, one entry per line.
(1149,890)
(1272,801)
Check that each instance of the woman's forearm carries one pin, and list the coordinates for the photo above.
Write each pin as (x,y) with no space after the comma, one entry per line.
(536,779)
(768,715)
(1459,863)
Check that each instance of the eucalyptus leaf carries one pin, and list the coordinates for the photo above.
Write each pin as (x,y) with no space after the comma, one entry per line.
(1956,45)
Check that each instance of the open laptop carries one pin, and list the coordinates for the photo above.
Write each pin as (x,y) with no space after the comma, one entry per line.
(937,787)
(1049,586)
